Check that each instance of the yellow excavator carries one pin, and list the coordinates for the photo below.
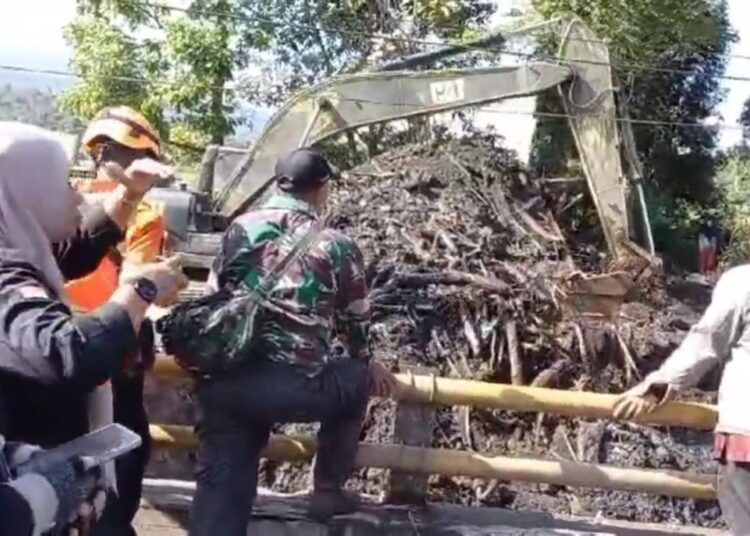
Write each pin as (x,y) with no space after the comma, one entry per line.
(581,73)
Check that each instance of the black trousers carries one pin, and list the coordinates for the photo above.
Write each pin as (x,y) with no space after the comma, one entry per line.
(734,496)
(235,416)
(130,412)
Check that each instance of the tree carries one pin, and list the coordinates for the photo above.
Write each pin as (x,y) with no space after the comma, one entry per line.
(113,70)
(745,119)
(315,39)
(35,107)
(734,183)
(668,56)
(182,74)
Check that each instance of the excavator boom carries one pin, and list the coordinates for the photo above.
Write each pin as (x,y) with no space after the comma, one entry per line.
(353,101)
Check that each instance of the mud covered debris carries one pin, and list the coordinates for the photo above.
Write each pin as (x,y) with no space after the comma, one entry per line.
(465,257)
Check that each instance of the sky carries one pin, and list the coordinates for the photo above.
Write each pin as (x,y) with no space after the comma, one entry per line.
(31,32)
(31,35)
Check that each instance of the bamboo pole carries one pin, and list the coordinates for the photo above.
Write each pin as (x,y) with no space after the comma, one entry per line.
(469,464)
(453,392)
(280,447)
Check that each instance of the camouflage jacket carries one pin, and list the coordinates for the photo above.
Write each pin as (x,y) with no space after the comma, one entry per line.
(326,286)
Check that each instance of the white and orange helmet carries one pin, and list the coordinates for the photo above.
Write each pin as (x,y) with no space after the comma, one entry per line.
(124,126)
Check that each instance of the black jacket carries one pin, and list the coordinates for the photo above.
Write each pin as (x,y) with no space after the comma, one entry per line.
(16,516)
(50,360)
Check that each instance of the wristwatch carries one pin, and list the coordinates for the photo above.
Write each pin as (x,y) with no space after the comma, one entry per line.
(146,289)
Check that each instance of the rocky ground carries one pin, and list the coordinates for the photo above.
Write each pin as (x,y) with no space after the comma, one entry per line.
(466,256)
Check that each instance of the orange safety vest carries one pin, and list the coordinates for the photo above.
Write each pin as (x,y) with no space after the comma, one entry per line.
(143,243)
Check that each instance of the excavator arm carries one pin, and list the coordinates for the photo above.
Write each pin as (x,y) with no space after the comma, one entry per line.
(589,102)
(353,101)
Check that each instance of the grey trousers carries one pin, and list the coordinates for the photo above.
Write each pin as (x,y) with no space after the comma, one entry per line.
(734,496)
(235,416)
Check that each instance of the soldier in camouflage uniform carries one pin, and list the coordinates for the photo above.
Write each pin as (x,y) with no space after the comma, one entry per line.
(295,378)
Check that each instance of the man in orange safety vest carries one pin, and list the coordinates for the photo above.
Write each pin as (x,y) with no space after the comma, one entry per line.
(121,135)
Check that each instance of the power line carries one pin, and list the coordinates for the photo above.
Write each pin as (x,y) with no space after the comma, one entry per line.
(68,74)
(354,18)
(72,74)
(644,122)
(556,115)
(632,67)
(413,41)
(359,33)
(609,43)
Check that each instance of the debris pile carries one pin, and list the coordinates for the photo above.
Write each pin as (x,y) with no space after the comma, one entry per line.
(466,260)
(467,264)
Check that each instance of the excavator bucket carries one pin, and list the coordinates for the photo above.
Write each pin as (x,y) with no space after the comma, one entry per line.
(597,297)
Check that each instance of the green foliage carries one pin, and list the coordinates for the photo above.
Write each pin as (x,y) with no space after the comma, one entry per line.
(115,70)
(314,39)
(676,224)
(175,71)
(186,144)
(201,64)
(675,227)
(37,108)
(745,119)
(676,38)
(642,30)
(110,63)
(734,183)
(178,67)
(656,47)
